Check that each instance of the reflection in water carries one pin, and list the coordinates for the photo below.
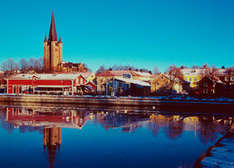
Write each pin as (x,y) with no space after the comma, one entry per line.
(50,122)
(52,141)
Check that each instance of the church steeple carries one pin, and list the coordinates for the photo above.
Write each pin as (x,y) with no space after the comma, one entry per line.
(52,34)
(60,40)
(45,40)
(52,50)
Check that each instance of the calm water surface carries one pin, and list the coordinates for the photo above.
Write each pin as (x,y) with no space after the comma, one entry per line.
(72,137)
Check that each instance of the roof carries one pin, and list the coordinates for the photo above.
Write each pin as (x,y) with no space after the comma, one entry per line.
(194,71)
(112,73)
(71,64)
(51,76)
(137,82)
(213,79)
(52,34)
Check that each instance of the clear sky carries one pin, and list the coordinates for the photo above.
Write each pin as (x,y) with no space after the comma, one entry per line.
(141,33)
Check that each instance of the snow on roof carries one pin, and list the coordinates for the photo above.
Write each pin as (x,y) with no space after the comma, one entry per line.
(143,73)
(121,72)
(51,76)
(137,82)
(114,73)
(221,72)
(214,79)
(193,70)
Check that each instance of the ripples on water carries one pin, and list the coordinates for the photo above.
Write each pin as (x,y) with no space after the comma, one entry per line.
(37,136)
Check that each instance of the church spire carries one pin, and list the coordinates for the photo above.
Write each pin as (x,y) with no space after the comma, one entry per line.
(60,40)
(52,34)
(45,40)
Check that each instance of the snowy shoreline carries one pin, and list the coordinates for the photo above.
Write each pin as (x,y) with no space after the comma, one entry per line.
(156,99)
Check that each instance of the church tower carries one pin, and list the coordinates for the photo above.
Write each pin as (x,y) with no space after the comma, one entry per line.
(52,50)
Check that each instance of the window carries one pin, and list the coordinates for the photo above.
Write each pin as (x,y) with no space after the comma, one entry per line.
(20,89)
(205,91)
(126,75)
(226,78)
(14,89)
(232,78)
(205,84)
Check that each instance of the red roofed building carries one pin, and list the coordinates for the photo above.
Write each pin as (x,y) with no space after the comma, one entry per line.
(60,83)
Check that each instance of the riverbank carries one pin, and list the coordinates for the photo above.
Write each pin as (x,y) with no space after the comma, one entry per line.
(151,102)
(220,155)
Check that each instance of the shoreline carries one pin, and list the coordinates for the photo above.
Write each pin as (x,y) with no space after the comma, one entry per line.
(149,102)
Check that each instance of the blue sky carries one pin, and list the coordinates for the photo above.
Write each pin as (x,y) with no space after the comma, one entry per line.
(141,33)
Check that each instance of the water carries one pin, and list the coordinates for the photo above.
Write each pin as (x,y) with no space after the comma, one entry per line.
(39,136)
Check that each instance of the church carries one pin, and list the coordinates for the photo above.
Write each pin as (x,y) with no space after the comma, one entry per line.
(53,50)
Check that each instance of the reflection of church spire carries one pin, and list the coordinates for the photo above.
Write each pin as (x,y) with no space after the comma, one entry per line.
(52,141)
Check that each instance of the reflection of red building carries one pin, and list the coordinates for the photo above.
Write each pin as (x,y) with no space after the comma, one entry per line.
(31,117)
(52,122)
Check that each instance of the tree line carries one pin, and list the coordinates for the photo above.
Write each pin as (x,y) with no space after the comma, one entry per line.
(10,66)
(126,67)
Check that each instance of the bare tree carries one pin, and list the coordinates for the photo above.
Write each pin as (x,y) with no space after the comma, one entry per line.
(213,70)
(9,66)
(101,69)
(121,67)
(32,63)
(23,64)
(175,72)
(4,66)
(156,71)
(37,65)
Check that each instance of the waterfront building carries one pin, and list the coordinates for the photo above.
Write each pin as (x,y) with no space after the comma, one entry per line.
(119,86)
(163,84)
(209,85)
(193,75)
(59,83)
(121,75)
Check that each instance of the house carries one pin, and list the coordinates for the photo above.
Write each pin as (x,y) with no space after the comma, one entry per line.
(210,85)
(54,83)
(227,77)
(73,67)
(193,75)
(106,76)
(164,84)
(120,86)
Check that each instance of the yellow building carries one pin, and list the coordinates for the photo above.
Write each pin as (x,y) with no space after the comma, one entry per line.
(192,75)
(163,84)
